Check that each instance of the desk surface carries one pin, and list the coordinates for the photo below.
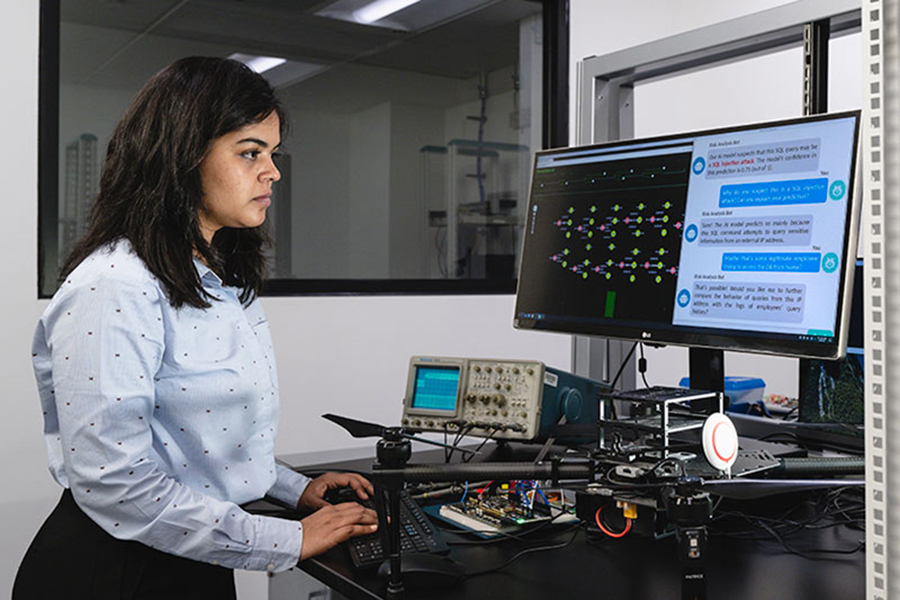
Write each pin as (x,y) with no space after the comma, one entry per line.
(628,568)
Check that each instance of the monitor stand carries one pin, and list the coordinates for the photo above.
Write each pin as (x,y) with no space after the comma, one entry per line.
(706,368)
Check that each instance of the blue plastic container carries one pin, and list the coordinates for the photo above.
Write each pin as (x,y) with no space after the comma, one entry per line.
(740,390)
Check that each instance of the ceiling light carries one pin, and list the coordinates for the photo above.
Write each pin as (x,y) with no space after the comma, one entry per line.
(380,9)
(260,64)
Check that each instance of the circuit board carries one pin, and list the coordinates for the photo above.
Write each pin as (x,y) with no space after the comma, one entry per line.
(493,514)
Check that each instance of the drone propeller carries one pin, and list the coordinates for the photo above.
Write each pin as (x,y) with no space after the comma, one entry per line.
(750,489)
(362,429)
(358,429)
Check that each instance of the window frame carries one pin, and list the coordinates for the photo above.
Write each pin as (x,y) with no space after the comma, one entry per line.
(555,123)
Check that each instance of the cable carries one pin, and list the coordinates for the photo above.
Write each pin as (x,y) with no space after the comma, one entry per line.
(463,431)
(642,367)
(481,445)
(834,508)
(523,553)
(622,367)
(612,534)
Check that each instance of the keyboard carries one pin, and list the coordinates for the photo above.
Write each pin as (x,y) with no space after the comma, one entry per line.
(417,534)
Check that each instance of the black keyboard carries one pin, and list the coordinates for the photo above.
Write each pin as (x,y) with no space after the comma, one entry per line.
(417,535)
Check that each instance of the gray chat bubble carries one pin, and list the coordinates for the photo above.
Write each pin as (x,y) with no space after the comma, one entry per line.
(791,230)
(794,156)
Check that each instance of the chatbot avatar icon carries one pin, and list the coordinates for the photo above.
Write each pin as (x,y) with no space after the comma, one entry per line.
(699,165)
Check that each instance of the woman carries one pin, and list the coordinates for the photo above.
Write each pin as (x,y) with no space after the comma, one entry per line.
(155,365)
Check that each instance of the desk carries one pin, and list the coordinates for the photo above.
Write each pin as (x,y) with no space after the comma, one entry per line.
(628,568)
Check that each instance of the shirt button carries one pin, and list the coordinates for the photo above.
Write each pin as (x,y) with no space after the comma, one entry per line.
(270,567)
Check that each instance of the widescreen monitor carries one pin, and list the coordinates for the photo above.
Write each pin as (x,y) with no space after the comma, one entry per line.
(738,239)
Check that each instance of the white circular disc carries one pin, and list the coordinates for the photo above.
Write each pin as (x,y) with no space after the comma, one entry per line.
(720,441)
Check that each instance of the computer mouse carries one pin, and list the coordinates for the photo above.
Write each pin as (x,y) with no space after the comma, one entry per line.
(425,571)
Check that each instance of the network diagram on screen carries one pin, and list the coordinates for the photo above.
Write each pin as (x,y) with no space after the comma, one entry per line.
(743,232)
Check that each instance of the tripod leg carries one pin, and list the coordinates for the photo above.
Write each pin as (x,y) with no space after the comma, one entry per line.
(395,583)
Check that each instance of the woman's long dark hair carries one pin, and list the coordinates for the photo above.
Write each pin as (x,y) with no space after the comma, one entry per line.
(150,188)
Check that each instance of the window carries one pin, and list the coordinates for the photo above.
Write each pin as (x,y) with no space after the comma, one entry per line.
(412,134)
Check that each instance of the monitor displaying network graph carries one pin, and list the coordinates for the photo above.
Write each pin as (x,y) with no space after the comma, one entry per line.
(740,238)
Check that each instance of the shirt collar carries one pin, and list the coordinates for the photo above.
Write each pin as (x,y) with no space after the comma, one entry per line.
(204,272)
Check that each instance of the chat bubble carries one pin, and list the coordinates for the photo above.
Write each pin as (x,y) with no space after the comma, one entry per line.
(793,230)
(782,262)
(774,193)
(781,303)
(792,156)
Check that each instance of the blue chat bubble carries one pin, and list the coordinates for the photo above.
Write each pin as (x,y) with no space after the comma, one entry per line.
(786,262)
(774,193)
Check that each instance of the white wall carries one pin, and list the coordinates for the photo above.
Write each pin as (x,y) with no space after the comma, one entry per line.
(27,492)
(763,88)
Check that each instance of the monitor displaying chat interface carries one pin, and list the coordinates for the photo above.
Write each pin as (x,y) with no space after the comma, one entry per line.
(734,238)
(435,388)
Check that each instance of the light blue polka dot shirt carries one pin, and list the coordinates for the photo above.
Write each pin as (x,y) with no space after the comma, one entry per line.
(162,421)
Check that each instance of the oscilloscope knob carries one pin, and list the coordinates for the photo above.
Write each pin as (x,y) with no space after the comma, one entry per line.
(530,371)
(500,400)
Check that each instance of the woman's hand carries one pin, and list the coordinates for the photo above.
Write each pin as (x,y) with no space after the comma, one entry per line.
(313,496)
(332,524)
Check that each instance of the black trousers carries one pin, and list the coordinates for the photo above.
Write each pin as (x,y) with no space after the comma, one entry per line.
(73,558)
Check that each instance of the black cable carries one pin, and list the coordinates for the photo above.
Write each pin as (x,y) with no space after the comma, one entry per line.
(463,431)
(642,366)
(810,553)
(838,507)
(524,552)
(481,445)
(790,413)
(622,367)
(446,449)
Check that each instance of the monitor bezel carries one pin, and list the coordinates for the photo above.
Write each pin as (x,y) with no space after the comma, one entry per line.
(719,339)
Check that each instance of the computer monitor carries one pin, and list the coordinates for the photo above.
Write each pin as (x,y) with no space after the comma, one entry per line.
(731,239)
